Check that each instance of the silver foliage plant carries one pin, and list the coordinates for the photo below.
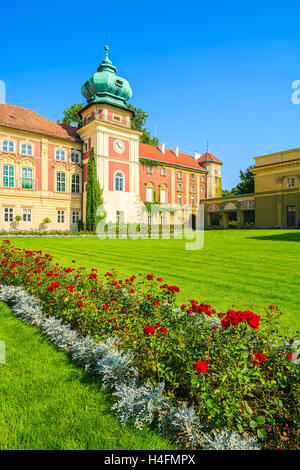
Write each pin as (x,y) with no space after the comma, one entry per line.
(229,440)
(144,404)
(185,424)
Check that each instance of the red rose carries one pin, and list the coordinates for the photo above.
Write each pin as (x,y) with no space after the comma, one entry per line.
(79,303)
(159,279)
(201,366)
(155,302)
(163,329)
(259,357)
(150,277)
(149,330)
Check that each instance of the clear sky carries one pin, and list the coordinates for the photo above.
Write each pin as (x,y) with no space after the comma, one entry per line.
(216,71)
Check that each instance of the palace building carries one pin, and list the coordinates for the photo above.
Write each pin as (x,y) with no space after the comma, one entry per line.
(43,164)
(275,202)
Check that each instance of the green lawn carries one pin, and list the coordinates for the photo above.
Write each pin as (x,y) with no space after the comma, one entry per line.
(247,268)
(47,403)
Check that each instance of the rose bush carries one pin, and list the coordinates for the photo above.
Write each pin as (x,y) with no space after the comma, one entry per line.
(233,367)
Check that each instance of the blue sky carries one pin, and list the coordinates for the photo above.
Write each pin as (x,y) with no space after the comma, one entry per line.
(209,70)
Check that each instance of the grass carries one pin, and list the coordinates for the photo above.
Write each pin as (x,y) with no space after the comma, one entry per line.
(245,268)
(47,403)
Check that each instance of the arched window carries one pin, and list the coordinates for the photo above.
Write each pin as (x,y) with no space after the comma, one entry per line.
(119,181)
(8,146)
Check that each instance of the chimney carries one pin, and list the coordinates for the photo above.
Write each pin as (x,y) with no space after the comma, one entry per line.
(175,150)
(162,148)
(196,155)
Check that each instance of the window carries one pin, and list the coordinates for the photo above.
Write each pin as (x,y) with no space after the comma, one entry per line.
(179,199)
(116,118)
(163,172)
(149,194)
(75,186)
(149,219)
(163,196)
(202,190)
(60,155)
(60,182)
(291,182)
(149,169)
(8,214)
(8,146)
(193,189)
(75,217)
(75,157)
(192,200)
(60,217)
(26,149)
(179,175)
(27,215)
(8,174)
(192,177)
(179,188)
(119,181)
(202,179)
(163,220)
(27,181)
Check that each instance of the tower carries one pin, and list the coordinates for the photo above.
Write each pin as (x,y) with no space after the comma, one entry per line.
(213,182)
(106,126)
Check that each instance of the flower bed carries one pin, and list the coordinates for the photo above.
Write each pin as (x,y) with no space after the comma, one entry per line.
(227,371)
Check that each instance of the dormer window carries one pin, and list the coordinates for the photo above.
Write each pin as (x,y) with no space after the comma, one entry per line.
(26,149)
(8,146)
(116,118)
(60,155)
(119,82)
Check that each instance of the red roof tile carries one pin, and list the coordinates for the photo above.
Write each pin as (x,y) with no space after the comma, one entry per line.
(153,153)
(207,157)
(25,119)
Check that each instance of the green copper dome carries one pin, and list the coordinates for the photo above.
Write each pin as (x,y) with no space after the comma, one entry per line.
(105,86)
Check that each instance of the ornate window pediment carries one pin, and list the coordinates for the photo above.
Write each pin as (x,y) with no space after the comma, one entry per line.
(230,206)
(213,208)
(248,205)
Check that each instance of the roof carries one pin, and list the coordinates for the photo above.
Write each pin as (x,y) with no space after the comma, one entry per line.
(208,157)
(153,153)
(25,119)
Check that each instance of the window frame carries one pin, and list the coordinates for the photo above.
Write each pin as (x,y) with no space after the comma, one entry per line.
(58,183)
(58,155)
(119,181)
(165,193)
(75,185)
(8,142)
(291,181)
(26,177)
(8,176)
(149,188)
(27,146)
(60,216)
(77,157)
(74,216)
(9,211)
(27,212)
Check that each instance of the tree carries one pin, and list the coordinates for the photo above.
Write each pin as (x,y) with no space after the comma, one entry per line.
(71,114)
(246,186)
(93,194)
(139,123)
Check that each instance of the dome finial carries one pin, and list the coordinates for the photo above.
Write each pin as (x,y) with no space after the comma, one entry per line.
(106,48)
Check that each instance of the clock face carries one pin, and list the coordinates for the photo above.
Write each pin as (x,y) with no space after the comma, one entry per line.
(119,146)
